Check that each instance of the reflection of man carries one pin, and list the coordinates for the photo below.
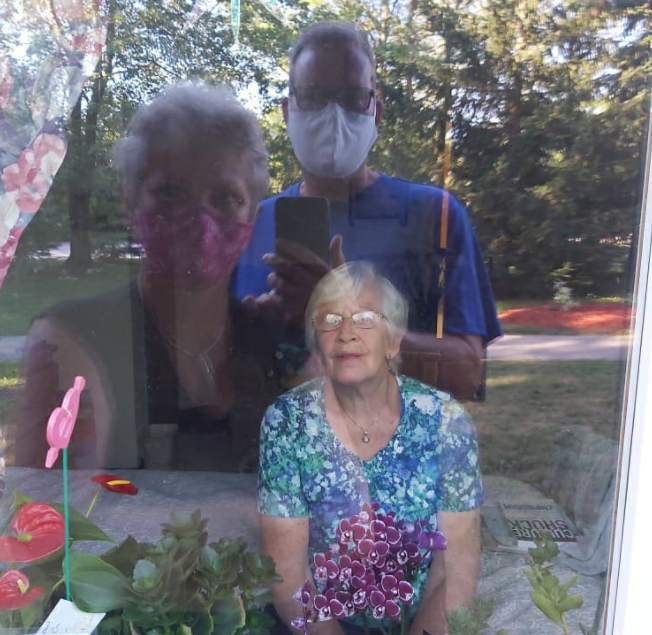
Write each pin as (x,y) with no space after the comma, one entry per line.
(332,119)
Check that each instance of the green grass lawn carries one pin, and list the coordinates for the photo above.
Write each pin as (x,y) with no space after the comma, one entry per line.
(30,288)
(529,410)
(9,375)
(531,407)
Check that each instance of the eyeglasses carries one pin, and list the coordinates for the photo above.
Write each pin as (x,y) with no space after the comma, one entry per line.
(351,98)
(361,320)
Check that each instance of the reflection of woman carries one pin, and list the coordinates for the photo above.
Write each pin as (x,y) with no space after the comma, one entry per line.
(171,348)
(362,433)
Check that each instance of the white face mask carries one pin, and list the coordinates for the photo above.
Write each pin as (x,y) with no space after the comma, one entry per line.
(331,142)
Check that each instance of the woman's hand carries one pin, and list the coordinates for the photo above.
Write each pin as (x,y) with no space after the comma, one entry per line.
(453,574)
(286,541)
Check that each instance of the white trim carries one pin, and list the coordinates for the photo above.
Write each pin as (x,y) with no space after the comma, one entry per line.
(629,607)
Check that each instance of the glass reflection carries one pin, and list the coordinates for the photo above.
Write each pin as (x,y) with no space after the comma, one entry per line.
(533,119)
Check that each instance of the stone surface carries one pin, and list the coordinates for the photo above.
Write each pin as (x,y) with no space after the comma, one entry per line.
(229,502)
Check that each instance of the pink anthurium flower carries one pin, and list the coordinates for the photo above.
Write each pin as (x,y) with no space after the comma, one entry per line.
(62,421)
(39,531)
(15,592)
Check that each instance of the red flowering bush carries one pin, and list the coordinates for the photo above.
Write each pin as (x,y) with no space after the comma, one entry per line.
(371,570)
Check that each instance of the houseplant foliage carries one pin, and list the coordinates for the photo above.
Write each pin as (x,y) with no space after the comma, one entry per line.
(31,549)
(179,585)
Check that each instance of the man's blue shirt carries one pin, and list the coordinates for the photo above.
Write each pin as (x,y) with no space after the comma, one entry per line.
(396,225)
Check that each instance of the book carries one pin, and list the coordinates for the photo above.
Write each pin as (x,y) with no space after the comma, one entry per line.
(514,525)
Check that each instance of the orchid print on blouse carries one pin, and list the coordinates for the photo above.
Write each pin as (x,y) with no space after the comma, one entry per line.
(370,570)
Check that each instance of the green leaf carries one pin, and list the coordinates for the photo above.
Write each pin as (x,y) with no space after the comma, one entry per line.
(124,556)
(228,613)
(571,582)
(81,528)
(18,499)
(200,623)
(146,576)
(111,625)
(96,586)
(258,622)
(546,607)
(571,603)
(34,611)
(549,583)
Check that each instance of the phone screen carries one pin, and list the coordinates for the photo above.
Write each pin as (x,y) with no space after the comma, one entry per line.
(304,220)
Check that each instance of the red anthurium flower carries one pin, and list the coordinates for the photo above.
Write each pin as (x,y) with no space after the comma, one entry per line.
(39,532)
(116,484)
(15,592)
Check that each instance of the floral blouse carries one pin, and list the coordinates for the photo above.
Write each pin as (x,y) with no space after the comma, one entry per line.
(430,464)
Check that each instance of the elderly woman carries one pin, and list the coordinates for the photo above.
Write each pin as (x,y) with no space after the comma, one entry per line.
(362,433)
(178,374)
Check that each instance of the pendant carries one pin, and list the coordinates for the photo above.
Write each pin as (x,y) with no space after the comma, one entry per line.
(209,369)
(365,437)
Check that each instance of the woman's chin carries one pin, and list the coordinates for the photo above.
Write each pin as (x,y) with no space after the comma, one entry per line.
(351,376)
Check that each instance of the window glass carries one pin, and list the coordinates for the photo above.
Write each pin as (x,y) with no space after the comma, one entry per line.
(403,236)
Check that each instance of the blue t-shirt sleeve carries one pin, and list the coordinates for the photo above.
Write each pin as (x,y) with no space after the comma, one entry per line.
(279,477)
(459,486)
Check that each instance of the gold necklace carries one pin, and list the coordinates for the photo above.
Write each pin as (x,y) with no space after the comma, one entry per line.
(365,433)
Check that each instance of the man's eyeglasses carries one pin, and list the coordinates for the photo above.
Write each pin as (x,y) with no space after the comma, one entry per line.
(349,97)
(361,320)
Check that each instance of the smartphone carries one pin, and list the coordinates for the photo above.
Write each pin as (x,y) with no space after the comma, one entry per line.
(304,220)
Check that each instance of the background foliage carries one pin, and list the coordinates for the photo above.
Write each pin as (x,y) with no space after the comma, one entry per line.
(547,103)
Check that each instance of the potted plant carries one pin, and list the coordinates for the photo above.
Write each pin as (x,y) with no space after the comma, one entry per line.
(178,585)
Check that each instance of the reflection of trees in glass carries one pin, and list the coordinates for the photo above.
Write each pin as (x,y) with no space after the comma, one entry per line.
(48,49)
(547,103)
(149,45)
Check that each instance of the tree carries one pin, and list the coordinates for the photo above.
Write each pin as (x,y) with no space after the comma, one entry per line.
(150,45)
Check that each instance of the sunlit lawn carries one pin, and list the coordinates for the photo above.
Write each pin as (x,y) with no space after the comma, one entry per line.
(32,287)
(531,406)
(9,375)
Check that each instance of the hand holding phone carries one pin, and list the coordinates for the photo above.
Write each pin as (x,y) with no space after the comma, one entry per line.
(304,255)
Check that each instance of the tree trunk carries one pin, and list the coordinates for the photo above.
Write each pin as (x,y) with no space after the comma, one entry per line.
(82,147)
(78,195)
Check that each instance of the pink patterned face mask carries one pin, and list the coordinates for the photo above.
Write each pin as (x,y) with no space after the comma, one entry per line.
(197,247)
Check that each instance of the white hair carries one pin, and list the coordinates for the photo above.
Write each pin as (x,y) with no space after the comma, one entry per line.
(179,118)
(348,280)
